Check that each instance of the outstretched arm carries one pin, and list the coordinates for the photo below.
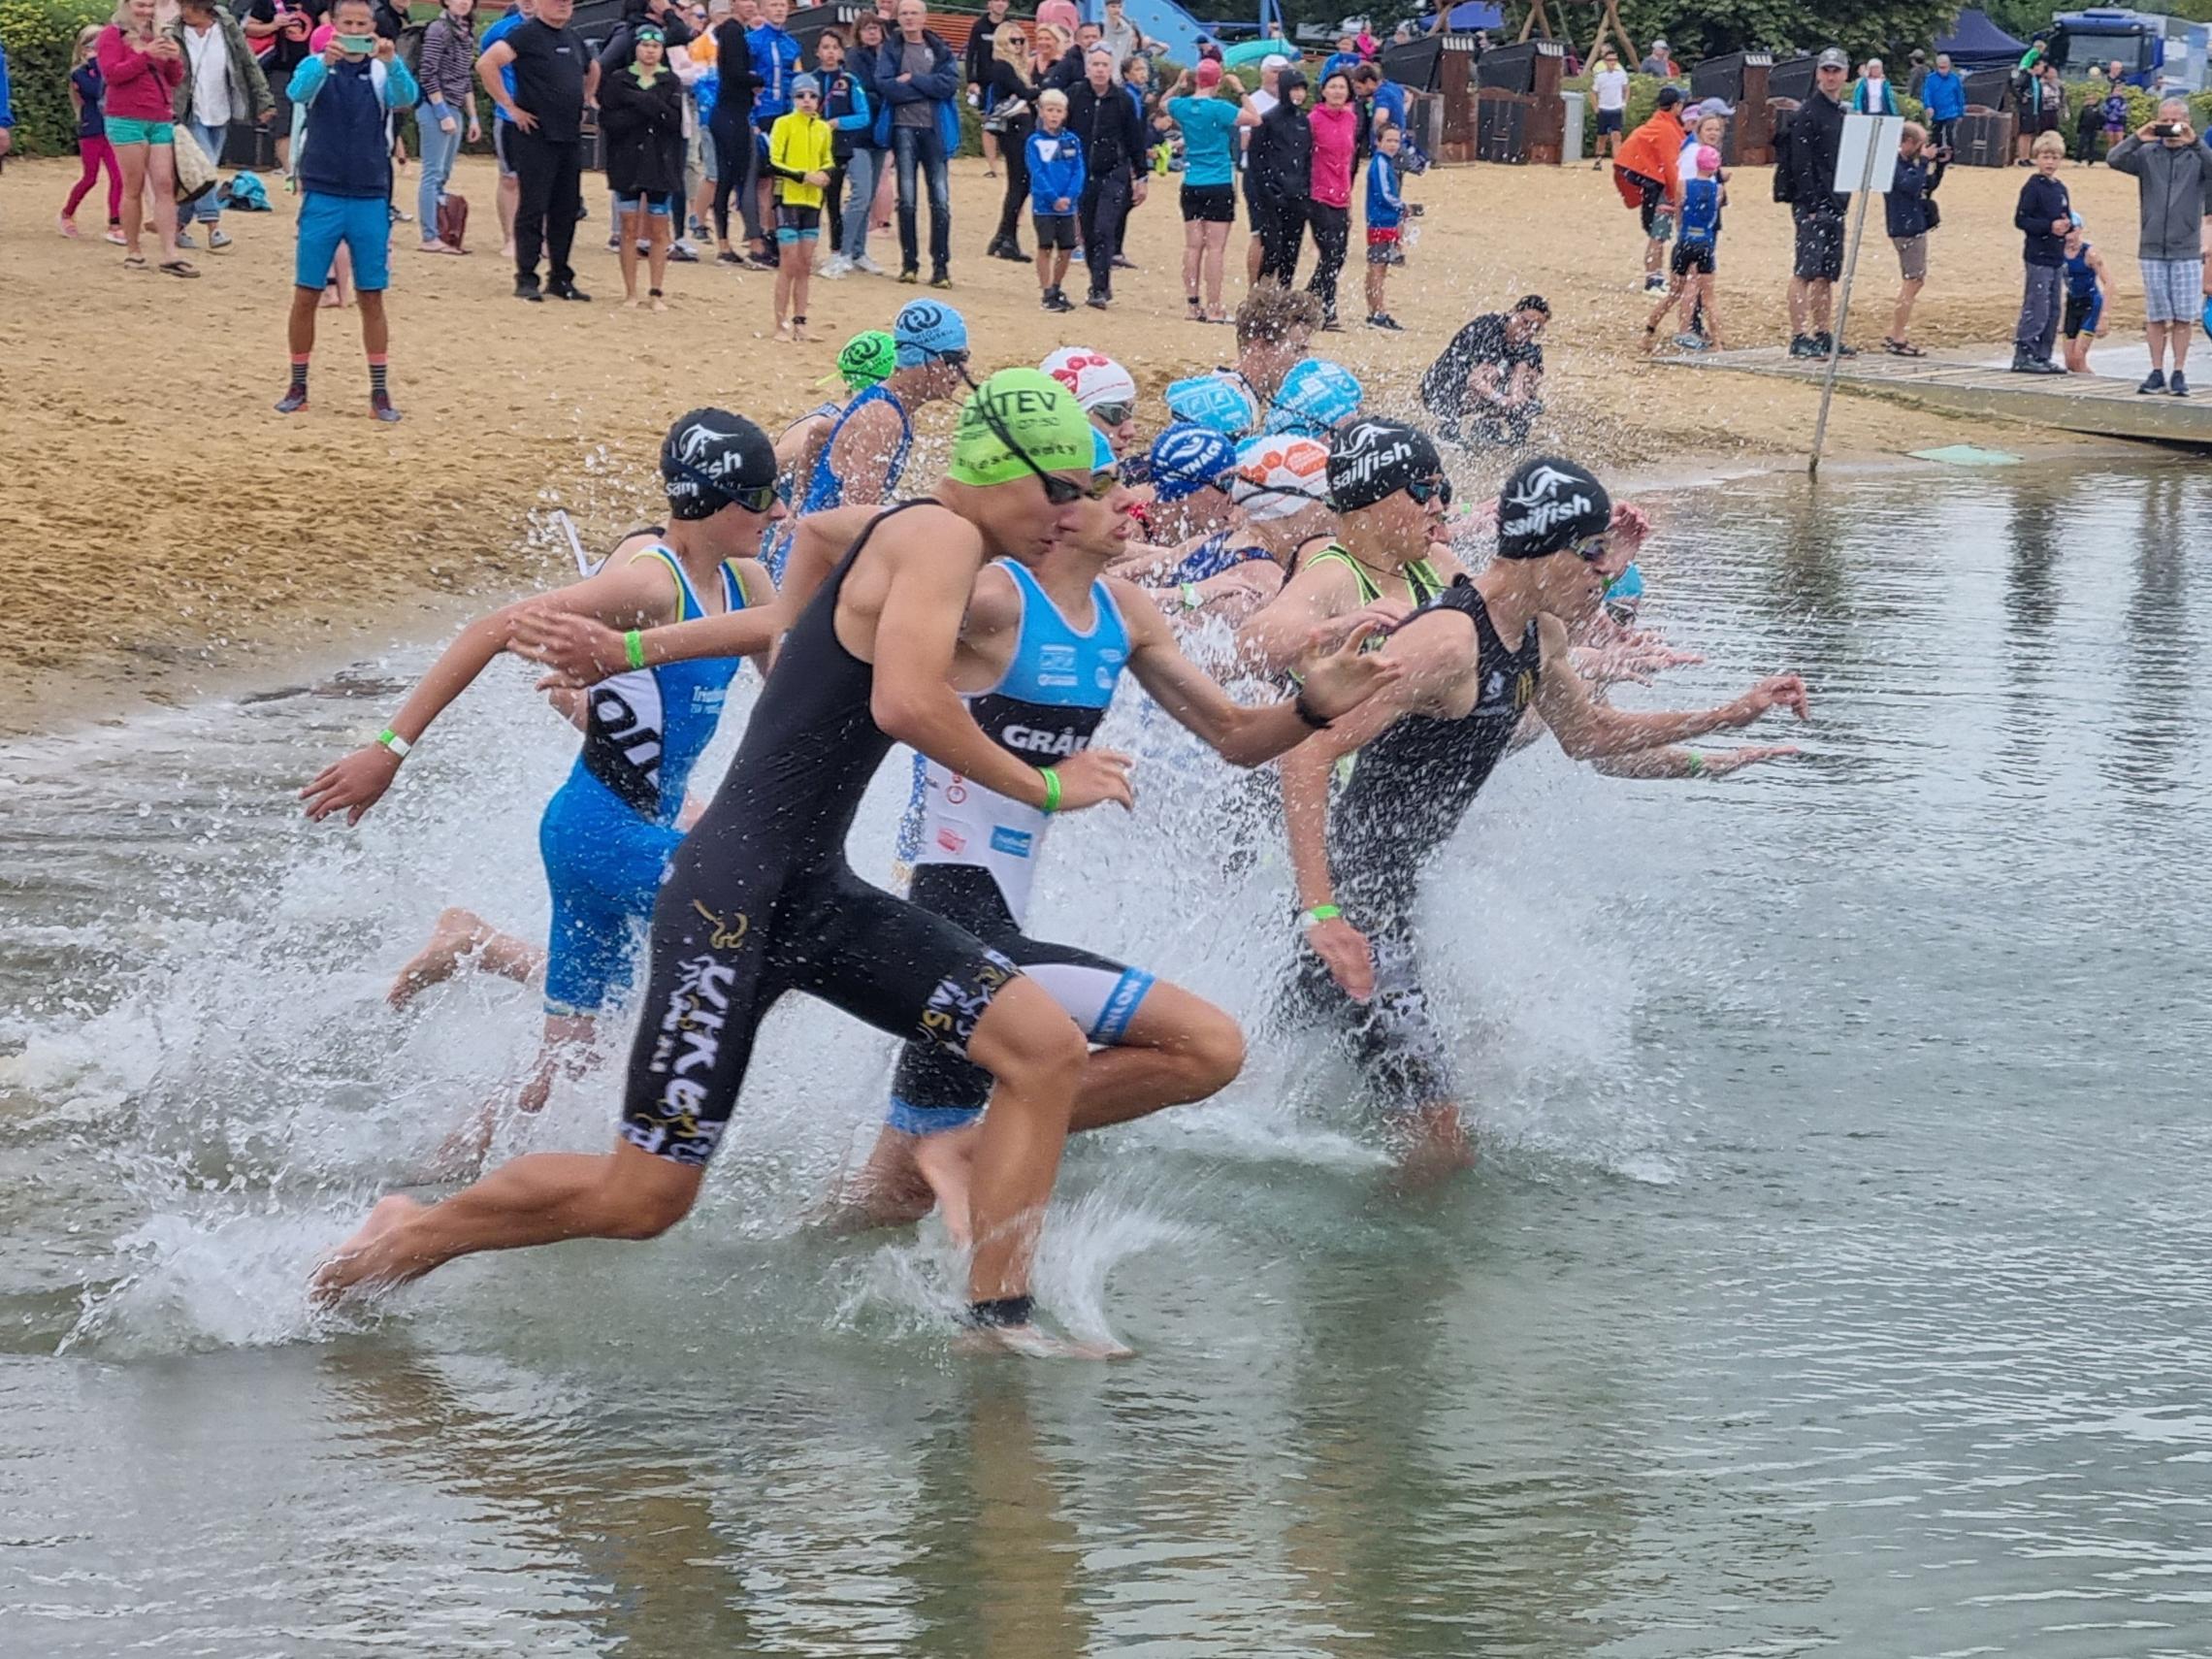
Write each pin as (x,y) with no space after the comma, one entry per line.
(634,593)
(1588,730)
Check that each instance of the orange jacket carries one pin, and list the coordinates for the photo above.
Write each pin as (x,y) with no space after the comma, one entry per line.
(1653,150)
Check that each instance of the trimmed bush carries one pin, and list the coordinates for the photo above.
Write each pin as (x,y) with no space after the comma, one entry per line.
(40,35)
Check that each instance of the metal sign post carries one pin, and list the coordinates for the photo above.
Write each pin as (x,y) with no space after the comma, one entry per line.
(1868,140)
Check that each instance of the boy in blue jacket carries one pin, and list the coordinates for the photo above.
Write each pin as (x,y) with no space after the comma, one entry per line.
(342,101)
(1386,210)
(1055,186)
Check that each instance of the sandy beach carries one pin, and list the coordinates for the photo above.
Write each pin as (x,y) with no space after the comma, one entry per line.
(170,535)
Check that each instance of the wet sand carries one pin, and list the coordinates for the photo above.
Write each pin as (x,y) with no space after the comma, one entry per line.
(169,535)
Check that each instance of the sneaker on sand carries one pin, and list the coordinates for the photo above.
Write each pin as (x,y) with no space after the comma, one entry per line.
(868,267)
(219,239)
(835,268)
(185,239)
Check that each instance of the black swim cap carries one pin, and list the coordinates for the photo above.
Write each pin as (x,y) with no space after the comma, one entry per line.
(711,457)
(1371,461)
(1547,506)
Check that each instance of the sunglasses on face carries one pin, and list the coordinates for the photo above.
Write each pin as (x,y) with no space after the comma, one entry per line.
(1060,492)
(1112,415)
(1427,490)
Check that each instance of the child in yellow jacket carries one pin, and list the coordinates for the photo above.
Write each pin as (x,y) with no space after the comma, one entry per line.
(799,158)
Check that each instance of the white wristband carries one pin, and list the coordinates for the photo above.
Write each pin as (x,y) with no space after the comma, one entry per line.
(393,741)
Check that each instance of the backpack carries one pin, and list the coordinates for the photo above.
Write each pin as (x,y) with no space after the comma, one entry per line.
(1785,181)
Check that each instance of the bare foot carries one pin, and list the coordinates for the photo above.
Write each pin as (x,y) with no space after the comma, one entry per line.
(456,934)
(890,1190)
(1032,1341)
(332,300)
(633,303)
(358,1265)
(1437,1149)
(659,304)
(783,331)
(506,251)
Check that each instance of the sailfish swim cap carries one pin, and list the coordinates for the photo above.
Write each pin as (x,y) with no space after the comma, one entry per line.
(1549,504)
(867,359)
(926,331)
(711,457)
(1018,412)
(1371,460)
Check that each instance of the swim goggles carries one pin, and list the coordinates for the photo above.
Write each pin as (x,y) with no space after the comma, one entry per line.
(1426,490)
(1057,491)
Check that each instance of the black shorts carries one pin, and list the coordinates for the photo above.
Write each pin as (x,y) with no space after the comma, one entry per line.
(1819,246)
(1610,121)
(499,130)
(796,223)
(732,936)
(1692,256)
(1053,230)
(280,112)
(2082,313)
(1210,204)
(934,1089)
(1653,194)
(1395,1037)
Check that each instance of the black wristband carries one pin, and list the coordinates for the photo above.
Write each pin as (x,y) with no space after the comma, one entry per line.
(1001,1312)
(1307,714)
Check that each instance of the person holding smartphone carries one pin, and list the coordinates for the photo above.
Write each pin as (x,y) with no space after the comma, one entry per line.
(2173,169)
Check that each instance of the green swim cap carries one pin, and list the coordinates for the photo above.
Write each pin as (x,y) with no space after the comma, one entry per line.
(1023,406)
(867,359)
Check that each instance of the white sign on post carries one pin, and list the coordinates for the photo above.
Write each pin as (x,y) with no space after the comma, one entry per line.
(1869,142)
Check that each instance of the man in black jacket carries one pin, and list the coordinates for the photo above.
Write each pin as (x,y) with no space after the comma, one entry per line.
(1279,171)
(1816,135)
(1104,117)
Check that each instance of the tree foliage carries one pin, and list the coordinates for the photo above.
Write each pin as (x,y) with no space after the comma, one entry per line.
(1710,27)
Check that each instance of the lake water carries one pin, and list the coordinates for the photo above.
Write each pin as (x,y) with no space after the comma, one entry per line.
(1835,1280)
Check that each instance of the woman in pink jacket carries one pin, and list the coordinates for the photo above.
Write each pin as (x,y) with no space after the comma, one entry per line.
(1334,122)
(142,70)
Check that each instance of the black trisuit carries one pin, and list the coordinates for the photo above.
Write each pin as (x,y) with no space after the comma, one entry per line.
(1409,790)
(760,901)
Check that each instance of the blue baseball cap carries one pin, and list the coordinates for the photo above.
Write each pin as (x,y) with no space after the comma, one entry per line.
(1187,458)
(927,332)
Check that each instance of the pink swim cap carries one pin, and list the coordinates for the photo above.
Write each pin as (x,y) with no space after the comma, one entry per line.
(1209,73)
(1708,159)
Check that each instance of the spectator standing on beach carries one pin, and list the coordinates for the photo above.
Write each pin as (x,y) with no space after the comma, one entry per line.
(509,195)
(1697,250)
(1805,176)
(1485,387)
(1944,93)
(1647,171)
(1386,208)
(918,78)
(94,153)
(7,104)
(1054,164)
(1336,141)
(2171,165)
(2043,216)
(1279,180)
(1258,103)
(1120,37)
(1660,61)
(798,156)
(1874,95)
(1012,99)
(1909,209)
(1105,122)
(2115,110)
(981,52)
(555,76)
(142,69)
(222,83)
(641,114)
(1211,124)
(447,69)
(1609,85)
(736,150)
(845,107)
(344,99)
(279,30)
(866,156)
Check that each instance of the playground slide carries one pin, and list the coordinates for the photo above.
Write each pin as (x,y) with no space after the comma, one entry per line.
(1165,21)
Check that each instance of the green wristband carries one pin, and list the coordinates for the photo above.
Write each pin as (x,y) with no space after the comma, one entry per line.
(1319,913)
(1192,597)
(1697,766)
(634,649)
(1051,787)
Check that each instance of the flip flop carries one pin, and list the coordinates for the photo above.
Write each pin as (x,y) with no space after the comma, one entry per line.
(1901,348)
(134,262)
(178,268)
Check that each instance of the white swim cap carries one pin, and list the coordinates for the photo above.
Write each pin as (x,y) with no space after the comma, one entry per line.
(1091,375)
(1279,474)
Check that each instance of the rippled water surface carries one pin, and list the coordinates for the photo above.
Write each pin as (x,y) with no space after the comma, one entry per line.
(1836,1279)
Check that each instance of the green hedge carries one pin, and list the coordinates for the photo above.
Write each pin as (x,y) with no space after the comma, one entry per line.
(40,35)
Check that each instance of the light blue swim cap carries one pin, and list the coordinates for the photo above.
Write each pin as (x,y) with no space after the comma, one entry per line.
(1317,397)
(1102,456)
(1214,400)
(927,330)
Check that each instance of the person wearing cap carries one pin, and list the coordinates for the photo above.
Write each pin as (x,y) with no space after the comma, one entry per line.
(1806,178)
(1277,496)
(918,78)
(610,828)
(1659,61)
(1104,390)
(761,900)
(641,115)
(1209,106)
(1646,171)
(1609,88)
(865,454)
(1486,385)
(800,148)
(867,359)
(1106,123)
(1473,663)
(1188,526)
(1042,650)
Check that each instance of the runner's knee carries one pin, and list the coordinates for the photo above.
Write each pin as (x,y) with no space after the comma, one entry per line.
(1216,1048)
(642,1196)
(1027,1042)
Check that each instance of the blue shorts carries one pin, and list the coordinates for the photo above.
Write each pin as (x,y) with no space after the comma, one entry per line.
(658,203)
(604,866)
(362,224)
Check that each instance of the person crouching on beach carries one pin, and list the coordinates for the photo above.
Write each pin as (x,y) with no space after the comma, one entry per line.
(2089,289)
(342,158)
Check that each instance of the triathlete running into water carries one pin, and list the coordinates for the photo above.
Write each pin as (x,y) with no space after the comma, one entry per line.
(610,830)
(1040,656)
(1475,658)
(760,899)
(864,457)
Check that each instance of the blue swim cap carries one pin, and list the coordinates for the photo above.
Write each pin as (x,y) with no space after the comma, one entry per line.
(927,330)
(1186,458)
(1102,456)
(1317,397)
(1214,400)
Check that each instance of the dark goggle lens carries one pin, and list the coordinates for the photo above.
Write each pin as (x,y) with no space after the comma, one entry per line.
(759,498)
(1591,548)
(1112,415)
(1427,490)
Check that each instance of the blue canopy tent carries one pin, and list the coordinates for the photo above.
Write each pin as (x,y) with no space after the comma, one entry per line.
(1977,43)
(1470,16)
